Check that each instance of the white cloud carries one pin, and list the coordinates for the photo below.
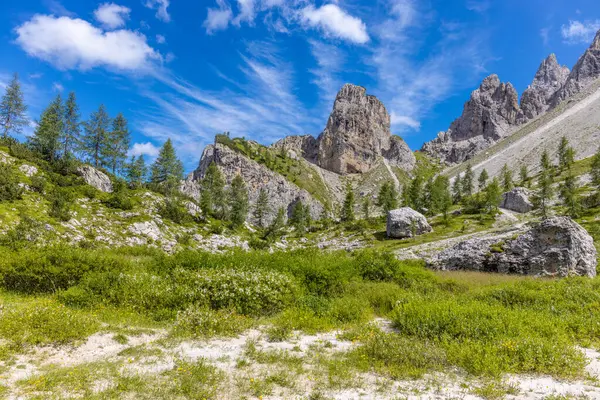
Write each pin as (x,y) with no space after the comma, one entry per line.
(330,64)
(478,5)
(217,19)
(545,35)
(58,87)
(161,7)
(146,149)
(335,22)
(247,12)
(112,15)
(580,32)
(75,44)
(160,39)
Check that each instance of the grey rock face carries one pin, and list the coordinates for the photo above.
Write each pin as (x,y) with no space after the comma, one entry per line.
(281,192)
(556,247)
(517,200)
(357,134)
(490,115)
(305,146)
(95,178)
(399,154)
(583,74)
(405,223)
(550,78)
(28,170)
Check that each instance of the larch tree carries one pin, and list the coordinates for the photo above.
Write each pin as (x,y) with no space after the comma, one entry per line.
(545,190)
(137,172)
(46,138)
(167,170)
(387,198)
(95,136)
(13,111)
(262,207)
(568,195)
(213,192)
(507,178)
(524,176)
(483,179)
(457,190)
(238,201)
(117,143)
(348,205)
(467,182)
(71,137)
(595,170)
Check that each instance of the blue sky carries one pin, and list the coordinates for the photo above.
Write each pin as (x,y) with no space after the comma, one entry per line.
(264,69)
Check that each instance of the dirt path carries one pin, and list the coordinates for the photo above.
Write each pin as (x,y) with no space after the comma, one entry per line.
(394,177)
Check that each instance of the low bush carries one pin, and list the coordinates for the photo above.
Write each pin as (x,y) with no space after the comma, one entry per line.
(201,321)
(60,204)
(9,184)
(174,210)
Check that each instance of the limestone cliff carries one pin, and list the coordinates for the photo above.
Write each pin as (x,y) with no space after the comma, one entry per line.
(549,79)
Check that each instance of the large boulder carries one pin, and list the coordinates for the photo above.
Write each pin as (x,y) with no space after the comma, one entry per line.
(405,223)
(556,247)
(518,200)
(95,178)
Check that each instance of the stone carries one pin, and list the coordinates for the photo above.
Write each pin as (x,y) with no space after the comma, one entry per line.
(490,115)
(557,247)
(518,200)
(405,223)
(148,229)
(358,134)
(549,78)
(28,170)
(95,178)
(296,147)
(192,208)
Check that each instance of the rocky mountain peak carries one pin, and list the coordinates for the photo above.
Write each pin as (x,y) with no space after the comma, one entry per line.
(549,78)
(358,134)
(596,43)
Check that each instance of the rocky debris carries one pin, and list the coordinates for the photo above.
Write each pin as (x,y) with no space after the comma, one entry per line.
(190,187)
(586,71)
(148,229)
(5,158)
(490,115)
(305,146)
(556,247)
(219,243)
(95,178)
(549,78)
(518,200)
(281,192)
(405,223)
(192,208)
(358,134)
(28,170)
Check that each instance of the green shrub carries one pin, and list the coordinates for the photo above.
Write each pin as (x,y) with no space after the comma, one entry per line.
(38,184)
(349,310)
(204,322)
(60,204)
(25,233)
(121,200)
(173,209)
(9,184)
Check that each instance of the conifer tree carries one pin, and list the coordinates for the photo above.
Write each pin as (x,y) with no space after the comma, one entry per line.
(298,218)
(46,138)
(238,201)
(261,208)
(13,111)
(72,130)
(457,190)
(566,154)
(483,179)
(568,195)
(441,198)
(117,143)
(366,208)
(277,225)
(95,136)
(492,196)
(415,193)
(507,179)
(467,182)
(595,170)
(213,192)
(545,191)
(387,198)
(167,170)
(137,171)
(348,206)
(524,176)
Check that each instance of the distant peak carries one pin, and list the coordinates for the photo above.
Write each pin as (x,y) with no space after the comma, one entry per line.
(596,43)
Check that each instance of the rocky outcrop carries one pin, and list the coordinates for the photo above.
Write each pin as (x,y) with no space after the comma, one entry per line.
(586,71)
(280,191)
(549,78)
(405,223)
(399,154)
(305,146)
(556,247)
(491,114)
(28,170)
(358,134)
(95,178)
(518,200)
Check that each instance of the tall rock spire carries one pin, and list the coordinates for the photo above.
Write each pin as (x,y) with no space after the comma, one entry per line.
(549,78)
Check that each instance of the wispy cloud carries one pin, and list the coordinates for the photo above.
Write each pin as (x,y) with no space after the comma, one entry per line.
(112,15)
(330,61)
(479,5)
(218,19)
(577,32)
(161,7)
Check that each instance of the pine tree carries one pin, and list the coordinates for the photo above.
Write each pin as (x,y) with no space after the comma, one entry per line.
(507,179)
(415,193)
(348,206)
(483,179)
(595,170)
(238,201)
(387,198)
(137,172)
(298,218)
(212,195)
(524,176)
(457,190)
(261,208)
(277,225)
(568,195)
(117,143)
(366,208)
(441,198)
(95,136)
(13,111)
(46,138)
(72,130)
(167,170)
(562,153)
(492,196)
(427,199)
(545,191)
(467,182)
